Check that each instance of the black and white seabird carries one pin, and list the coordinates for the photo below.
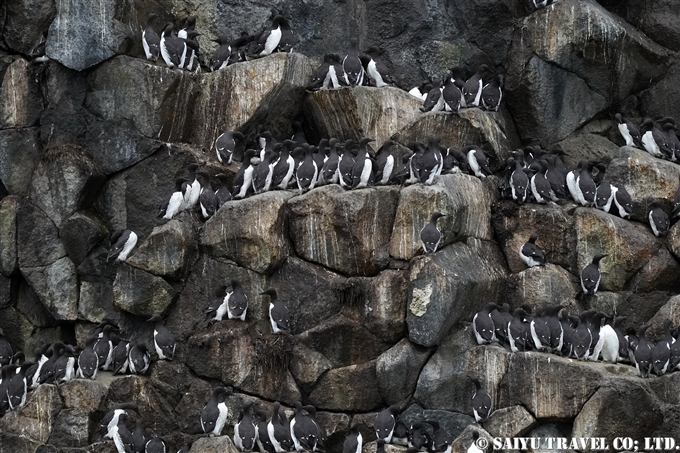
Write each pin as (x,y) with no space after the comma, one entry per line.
(189,26)
(477,161)
(155,445)
(307,171)
(163,339)
(173,49)
(501,317)
(451,93)
(540,186)
(492,93)
(123,241)
(104,348)
(193,192)
(303,430)
(88,361)
(610,344)
(138,438)
(17,387)
(214,413)
(661,353)
(138,358)
(481,401)
(540,332)
(483,326)
(376,69)
(264,442)
(658,219)
(121,435)
(428,161)
(419,436)
(532,254)
(623,201)
(110,419)
(264,171)
(177,202)
(270,38)
(220,58)
(434,101)
(244,176)
(237,302)
(584,185)
(628,131)
(346,163)
(385,162)
(223,193)
(519,335)
(650,134)
(351,65)
(245,432)
(430,236)
(354,441)
(441,439)
(225,145)
(119,357)
(321,79)
(519,183)
(472,90)
(384,423)
(278,313)
(279,430)
(150,39)
(643,353)
(207,199)
(591,275)
(400,435)
(329,170)
(362,169)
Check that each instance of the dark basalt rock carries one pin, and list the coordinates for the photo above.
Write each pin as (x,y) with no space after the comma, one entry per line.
(141,293)
(352,388)
(397,371)
(21,151)
(9,207)
(80,233)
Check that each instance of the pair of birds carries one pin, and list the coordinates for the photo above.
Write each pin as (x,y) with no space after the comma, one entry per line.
(178,49)
(590,277)
(195,190)
(451,92)
(355,69)
(659,357)
(277,37)
(234,304)
(141,440)
(658,138)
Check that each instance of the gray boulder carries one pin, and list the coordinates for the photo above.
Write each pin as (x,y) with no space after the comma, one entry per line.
(274,101)
(544,70)
(95,300)
(6,299)
(656,20)
(38,242)
(85,33)
(83,395)
(343,342)
(468,126)
(36,419)
(9,207)
(141,293)
(222,444)
(451,286)
(377,303)
(510,422)
(645,177)
(358,112)
(590,142)
(188,315)
(308,304)
(26,20)
(513,226)
(29,305)
(352,388)
(64,181)
(464,200)
(21,152)
(608,415)
(397,371)
(257,366)
(670,310)
(659,274)
(559,390)
(307,366)
(168,251)
(443,382)
(259,245)
(657,100)
(629,245)
(80,233)
(541,286)
(71,429)
(20,98)
(329,221)
(57,287)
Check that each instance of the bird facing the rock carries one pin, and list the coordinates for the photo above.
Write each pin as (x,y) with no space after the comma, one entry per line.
(591,275)
(430,236)
(532,254)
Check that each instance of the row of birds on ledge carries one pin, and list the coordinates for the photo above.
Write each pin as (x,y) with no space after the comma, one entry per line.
(533,175)
(587,336)
(294,163)
(180,49)
(658,138)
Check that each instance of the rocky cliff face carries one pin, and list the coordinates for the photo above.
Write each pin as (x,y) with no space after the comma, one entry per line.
(93,140)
